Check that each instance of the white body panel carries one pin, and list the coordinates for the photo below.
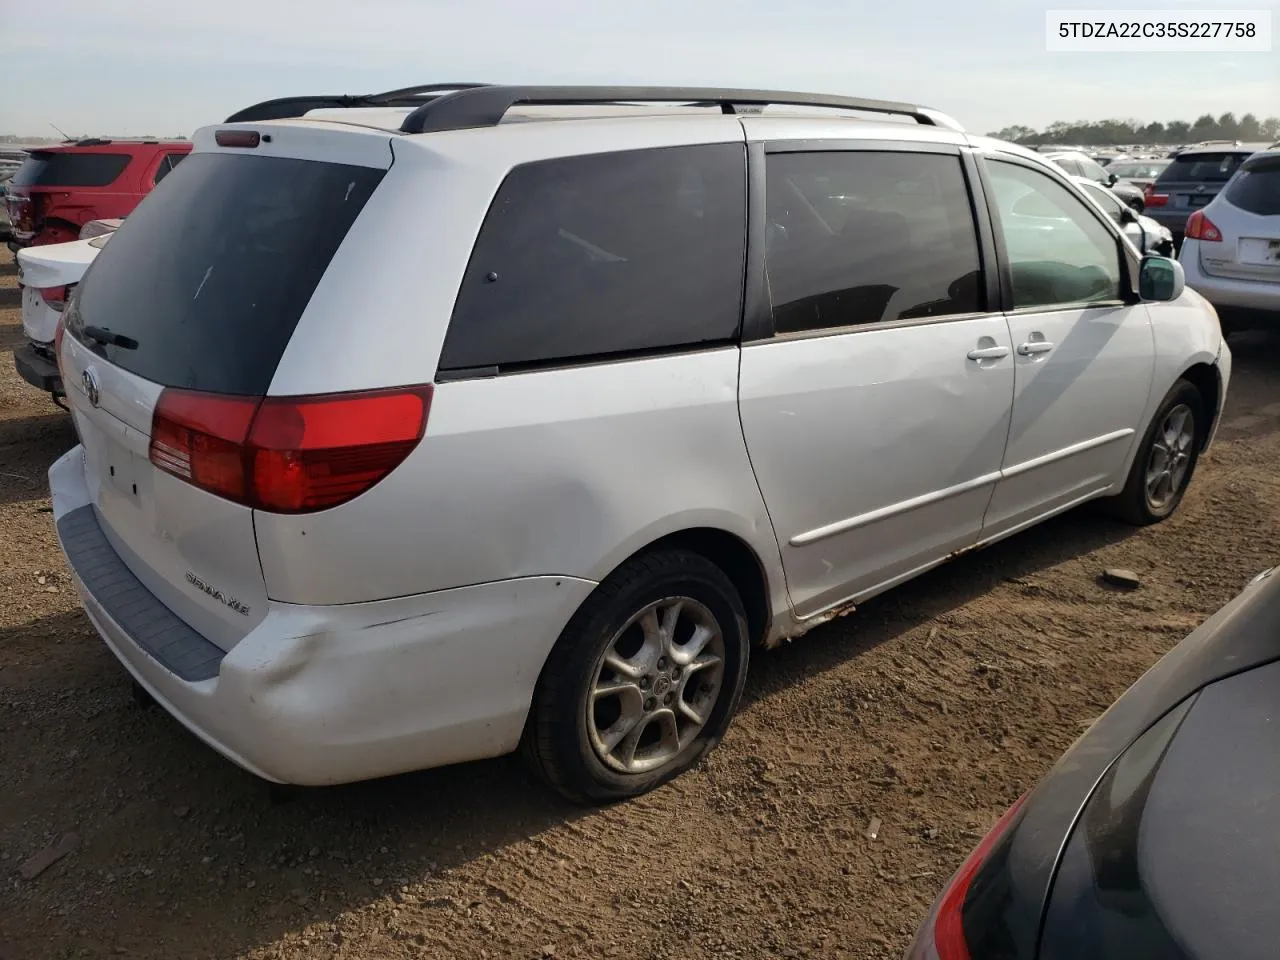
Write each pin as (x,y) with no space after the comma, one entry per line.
(877,450)
(518,476)
(1077,407)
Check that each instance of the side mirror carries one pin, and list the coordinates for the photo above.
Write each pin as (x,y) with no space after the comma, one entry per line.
(1128,214)
(1161,279)
(1112,179)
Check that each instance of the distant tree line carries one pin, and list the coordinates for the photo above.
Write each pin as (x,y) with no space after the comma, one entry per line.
(1106,133)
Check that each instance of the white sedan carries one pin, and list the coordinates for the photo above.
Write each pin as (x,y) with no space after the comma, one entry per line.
(47,275)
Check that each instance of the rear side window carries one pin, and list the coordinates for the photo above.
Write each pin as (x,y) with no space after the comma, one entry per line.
(1257,189)
(167,163)
(56,169)
(211,272)
(1203,167)
(859,237)
(605,254)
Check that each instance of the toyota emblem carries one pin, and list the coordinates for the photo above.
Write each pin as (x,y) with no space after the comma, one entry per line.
(89,379)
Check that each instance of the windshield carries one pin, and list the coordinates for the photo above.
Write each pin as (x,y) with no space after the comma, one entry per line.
(208,277)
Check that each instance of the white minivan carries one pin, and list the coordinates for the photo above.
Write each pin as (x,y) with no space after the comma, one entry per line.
(416,433)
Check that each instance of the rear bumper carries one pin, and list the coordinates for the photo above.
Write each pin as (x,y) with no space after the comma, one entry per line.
(330,694)
(37,370)
(1228,291)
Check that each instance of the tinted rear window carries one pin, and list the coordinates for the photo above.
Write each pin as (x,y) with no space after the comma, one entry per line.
(605,254)
(1257,189)
(858,237)
(56,169)
(211,272)
(1203,167)
(1139,170)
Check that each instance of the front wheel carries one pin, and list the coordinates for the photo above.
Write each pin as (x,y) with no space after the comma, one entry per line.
(643,682)
(1166,460)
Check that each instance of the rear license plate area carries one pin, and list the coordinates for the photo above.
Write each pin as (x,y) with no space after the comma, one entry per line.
(115,465)
(1260,250)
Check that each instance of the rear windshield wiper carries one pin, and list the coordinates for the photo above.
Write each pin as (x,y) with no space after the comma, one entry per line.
(108,339)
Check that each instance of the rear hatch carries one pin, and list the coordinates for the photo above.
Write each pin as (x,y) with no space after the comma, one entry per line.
(1191,181)
(49,176)
(180,323)
(1247,216)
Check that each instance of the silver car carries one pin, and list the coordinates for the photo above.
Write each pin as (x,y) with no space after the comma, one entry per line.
(1231,253)
(515,417)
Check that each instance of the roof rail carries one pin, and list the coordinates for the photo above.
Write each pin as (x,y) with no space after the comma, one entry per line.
(485,106)
(285,107)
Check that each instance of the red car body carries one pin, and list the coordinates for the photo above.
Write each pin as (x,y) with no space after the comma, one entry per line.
(59,189)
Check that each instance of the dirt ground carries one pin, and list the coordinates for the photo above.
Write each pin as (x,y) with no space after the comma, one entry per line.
(930,709)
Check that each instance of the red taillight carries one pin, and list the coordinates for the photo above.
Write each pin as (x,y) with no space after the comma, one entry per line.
(1153,199)
(948,926)
(1200,227)
(287,454)
(237,138)
(55,297)
(22,215)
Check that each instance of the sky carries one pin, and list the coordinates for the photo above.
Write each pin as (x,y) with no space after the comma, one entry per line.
(156,67)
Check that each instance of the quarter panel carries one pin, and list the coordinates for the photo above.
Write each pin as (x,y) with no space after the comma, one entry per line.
(559,472)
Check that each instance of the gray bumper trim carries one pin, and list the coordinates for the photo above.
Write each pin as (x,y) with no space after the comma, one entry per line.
(147,621)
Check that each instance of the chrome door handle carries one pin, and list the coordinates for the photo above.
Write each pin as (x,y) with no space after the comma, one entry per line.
(988,353)
(1032,347)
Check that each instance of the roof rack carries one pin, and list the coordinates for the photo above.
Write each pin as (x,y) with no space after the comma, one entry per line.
(485,106)
(285,107)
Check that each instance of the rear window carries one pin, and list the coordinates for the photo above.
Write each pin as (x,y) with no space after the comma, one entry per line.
(1139,170)
(57,169)
(1257,189)
(605,254)
(1203,167)
(210,274)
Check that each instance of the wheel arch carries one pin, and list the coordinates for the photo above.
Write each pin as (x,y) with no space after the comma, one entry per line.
(739,561)
(1207,379)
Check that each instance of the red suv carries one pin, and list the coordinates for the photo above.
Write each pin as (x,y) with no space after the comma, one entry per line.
(59,189)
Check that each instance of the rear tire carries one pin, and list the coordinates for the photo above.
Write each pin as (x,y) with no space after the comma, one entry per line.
(1165,461)
(660,645)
